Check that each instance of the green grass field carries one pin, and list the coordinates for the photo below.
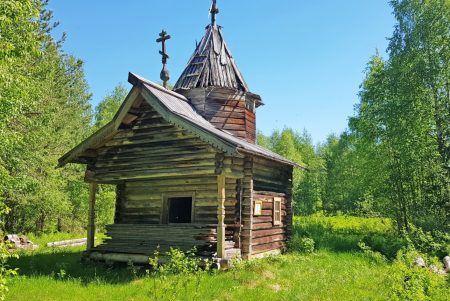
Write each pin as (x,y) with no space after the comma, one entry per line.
(336,271)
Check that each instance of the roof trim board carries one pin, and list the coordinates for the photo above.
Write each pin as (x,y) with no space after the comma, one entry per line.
(103,133)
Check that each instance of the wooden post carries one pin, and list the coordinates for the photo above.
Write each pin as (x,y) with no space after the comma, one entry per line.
(91,216)
(221,216)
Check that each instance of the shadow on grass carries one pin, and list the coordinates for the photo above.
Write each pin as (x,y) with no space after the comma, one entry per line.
(65,264)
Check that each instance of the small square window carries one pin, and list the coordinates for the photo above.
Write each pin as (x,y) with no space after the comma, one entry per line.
(180,210)
(276,211)
(257,209)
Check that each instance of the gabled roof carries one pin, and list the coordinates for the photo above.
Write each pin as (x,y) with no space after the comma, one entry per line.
(211,65)
(176,109)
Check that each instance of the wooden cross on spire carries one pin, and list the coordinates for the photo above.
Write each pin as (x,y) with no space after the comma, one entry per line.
(163,36)
(213,11)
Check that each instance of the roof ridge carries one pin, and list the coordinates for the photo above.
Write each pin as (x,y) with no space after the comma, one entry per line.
(135,79)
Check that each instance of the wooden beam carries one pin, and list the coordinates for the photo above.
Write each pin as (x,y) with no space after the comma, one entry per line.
(221,216)
(91,217)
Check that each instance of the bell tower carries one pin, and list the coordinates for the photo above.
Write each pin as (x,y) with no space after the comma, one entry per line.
(215,86)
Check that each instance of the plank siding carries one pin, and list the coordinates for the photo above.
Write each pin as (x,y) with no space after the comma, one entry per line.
(225,109)
(271,176)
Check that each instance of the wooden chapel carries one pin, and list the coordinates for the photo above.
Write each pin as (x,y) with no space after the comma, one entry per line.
(186,166)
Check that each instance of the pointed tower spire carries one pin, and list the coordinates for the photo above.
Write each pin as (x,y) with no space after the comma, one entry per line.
(213,11)
(216,88)
(165,76)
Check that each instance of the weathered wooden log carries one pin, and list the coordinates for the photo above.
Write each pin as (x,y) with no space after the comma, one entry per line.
(268,246)
(119,257)
(69,242)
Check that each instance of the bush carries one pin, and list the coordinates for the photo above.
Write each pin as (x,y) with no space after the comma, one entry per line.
(415,283)
(388,244)
(301,244)
(436,244)
(186,269)
(5,271)
(376,257)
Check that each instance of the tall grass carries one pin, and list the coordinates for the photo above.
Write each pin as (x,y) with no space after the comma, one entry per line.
(320,276)
(343,233)
(336,271)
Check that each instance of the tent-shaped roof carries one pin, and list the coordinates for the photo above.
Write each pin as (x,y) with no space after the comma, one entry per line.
(176,109)
(211,65)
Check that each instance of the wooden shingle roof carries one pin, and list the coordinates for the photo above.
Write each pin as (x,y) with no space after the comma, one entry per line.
(176,109)
(211,65)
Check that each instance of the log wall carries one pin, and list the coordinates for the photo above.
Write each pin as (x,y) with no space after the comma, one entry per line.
(142,201)
(270,180)
(150,161)
(152,148)
(265,235)
(146,239)
(271,176)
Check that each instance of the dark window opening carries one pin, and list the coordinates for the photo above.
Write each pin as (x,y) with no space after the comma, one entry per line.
(180,210)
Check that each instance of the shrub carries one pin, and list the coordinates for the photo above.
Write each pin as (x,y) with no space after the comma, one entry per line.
(5,271)
(186,267)
(376,257)
(301,244)
(179,262)
(388,244)
(415,283)
(436,244)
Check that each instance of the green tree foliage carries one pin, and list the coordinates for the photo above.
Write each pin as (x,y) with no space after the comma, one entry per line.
(108,107)
(44,107)
(44,111)
(354,176)
(402,121)
(394,159)
(5,270)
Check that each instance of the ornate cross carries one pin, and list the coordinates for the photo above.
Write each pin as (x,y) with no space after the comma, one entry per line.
(213,11)
(164,72)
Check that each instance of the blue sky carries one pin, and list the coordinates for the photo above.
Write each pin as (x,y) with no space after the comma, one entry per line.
(305,58)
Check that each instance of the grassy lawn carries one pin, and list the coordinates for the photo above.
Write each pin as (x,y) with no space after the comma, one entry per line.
(335,272)
(321,276)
